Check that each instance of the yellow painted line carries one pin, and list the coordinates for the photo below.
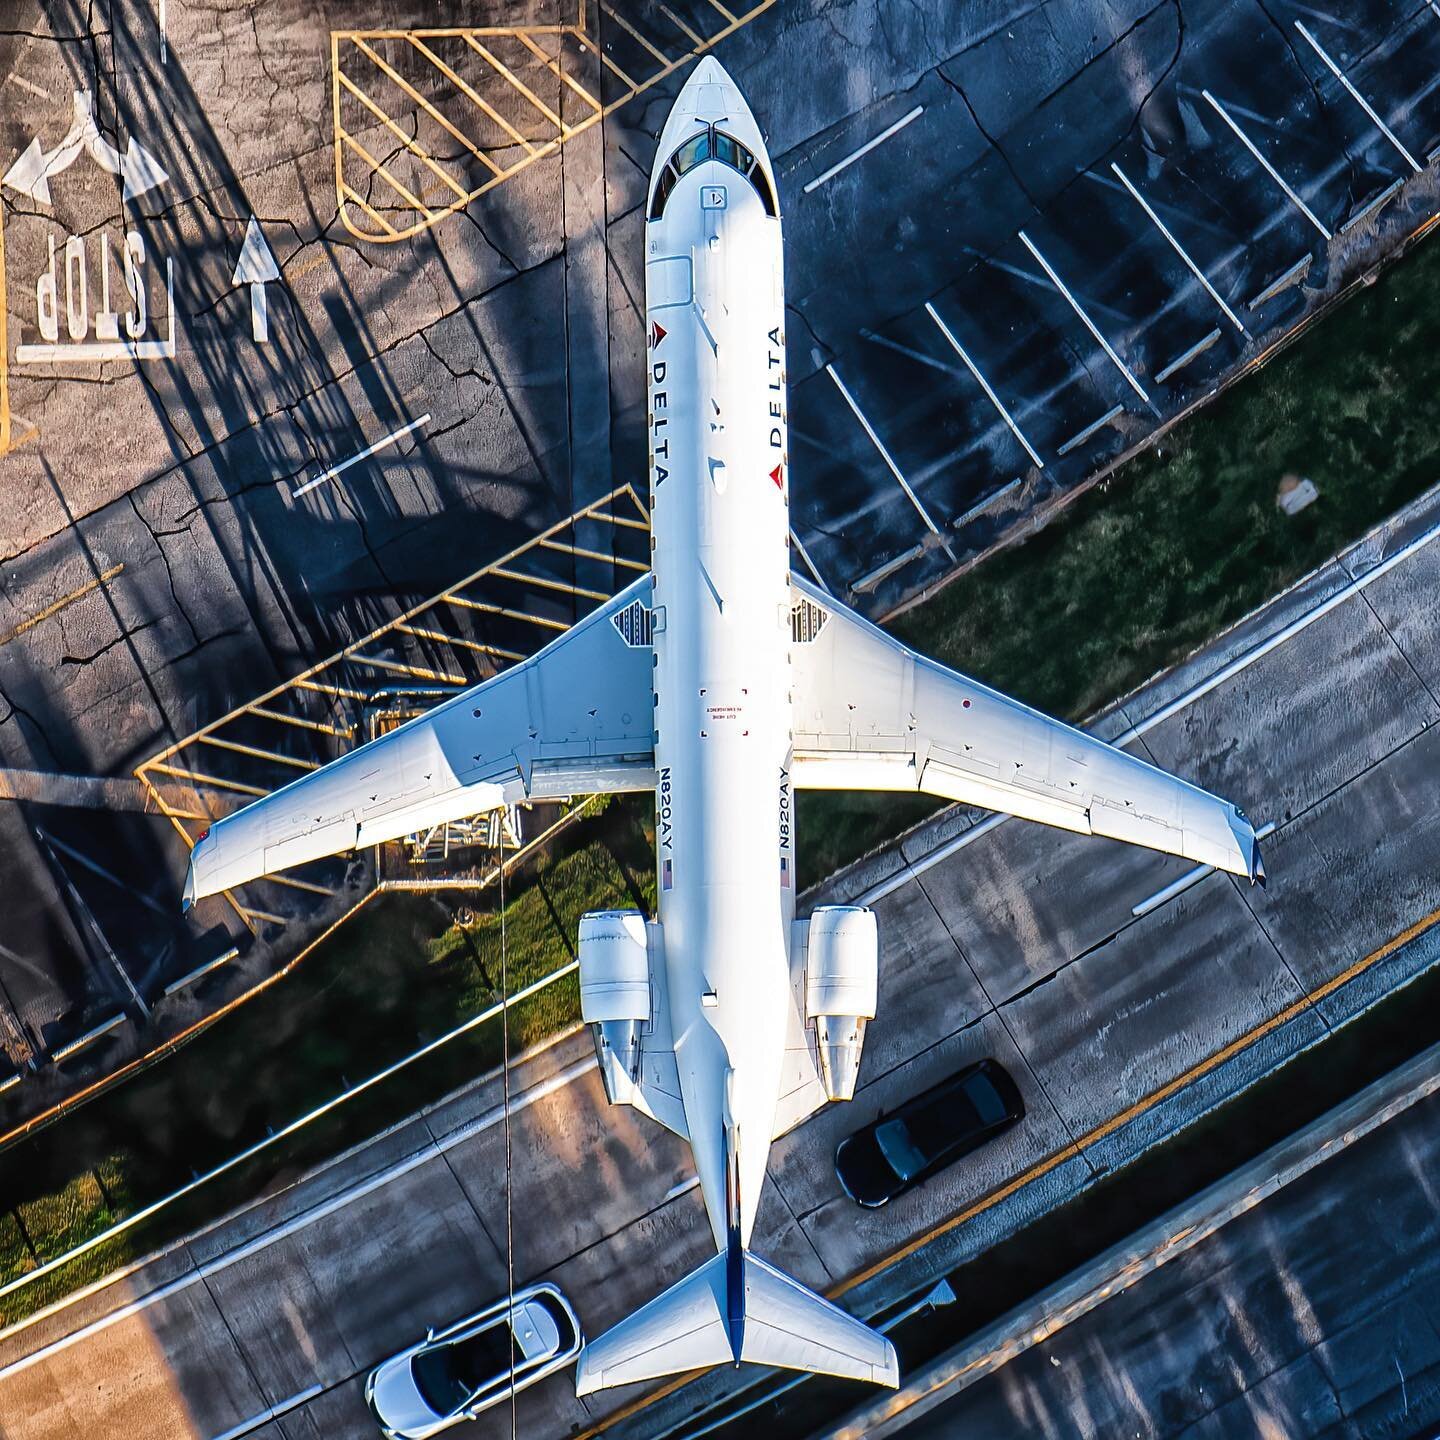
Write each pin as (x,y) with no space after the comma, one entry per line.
(489,609)
(339,691)
(1073,1150)
(518,84)
(201,778)
(607,61)
(467,90)
(728,16)
(680,25)
(260,914)
(344,733)
(379,168)
(403,84)
(4,347)
(595,555)
(562,585)
(419,672)
(422,156)
(256,753)
(625,25)
(87,588)
(295,884)
(524,38)
(346,193)
(474,645)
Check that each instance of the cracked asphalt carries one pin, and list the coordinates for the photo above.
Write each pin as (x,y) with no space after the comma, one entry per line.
(516,325)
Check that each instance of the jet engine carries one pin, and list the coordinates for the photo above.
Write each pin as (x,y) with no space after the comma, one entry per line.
(615,995)
(841,978)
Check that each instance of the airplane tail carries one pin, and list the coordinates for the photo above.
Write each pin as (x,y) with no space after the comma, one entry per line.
(736,1307)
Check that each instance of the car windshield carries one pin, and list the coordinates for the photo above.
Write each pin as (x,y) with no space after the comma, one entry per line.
(981,1092)
(448,1375)
(899,1149)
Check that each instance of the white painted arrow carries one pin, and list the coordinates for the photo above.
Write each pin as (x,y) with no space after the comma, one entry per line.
(32,172)
(256,268)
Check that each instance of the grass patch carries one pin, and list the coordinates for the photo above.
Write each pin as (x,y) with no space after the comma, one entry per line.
(403,972)
(1132,577)
(1185,539)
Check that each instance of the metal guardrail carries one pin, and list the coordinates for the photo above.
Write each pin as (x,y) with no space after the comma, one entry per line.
(285,1132)
(421,115)
(501,614)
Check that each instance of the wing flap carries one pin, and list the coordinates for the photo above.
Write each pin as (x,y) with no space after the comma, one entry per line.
(871,714)
(575,718)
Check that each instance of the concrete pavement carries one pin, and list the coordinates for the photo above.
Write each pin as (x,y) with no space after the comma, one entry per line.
(1021,944)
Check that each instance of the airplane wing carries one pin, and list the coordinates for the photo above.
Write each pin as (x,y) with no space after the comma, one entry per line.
(577,718)
(870,714)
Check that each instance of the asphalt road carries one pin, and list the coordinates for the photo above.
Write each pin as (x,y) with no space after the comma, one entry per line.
(1315,1314)
(1021,944)
(156,567)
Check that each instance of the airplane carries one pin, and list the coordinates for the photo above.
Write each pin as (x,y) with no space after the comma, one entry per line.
(722,682)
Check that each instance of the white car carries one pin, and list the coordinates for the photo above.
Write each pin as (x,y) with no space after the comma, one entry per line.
(456,1373)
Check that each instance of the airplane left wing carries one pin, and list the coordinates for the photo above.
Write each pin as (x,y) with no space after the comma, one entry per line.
(574,719)
(870,714)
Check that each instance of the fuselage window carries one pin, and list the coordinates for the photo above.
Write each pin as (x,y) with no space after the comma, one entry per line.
(713,144)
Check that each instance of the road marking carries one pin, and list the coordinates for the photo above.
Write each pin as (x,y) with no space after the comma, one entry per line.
(32,172)
(365,454)
(1178,248)
(56,352)
(1266,166)
(1185,881)
(256,268)
(1089,324)
(4,347)
(915,868)
(984,384)
(25,84)
(90,585)
(804,554)
(1170,1235)
(865,149)
(487,1121)
(1359,99)
(271,1412)
(888,458)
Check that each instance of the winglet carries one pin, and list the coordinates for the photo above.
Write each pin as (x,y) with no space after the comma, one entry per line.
(1257,864)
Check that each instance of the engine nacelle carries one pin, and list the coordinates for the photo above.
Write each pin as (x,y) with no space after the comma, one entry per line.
(842,967)
(615,995)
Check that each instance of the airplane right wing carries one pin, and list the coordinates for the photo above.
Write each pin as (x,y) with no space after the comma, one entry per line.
(871,714)
(576,718)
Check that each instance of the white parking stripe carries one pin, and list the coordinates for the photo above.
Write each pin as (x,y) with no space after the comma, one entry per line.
(1268,168)
(365,454)
(1085,320)
(1359,99)
(865,149)
(487,1121)
(915,868)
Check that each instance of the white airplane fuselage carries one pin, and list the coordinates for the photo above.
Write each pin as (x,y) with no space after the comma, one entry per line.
(720,528)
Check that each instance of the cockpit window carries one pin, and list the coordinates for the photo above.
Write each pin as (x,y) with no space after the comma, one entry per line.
(717,145)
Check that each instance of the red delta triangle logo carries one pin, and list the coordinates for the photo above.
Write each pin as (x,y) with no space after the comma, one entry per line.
(775,475)
(658,334)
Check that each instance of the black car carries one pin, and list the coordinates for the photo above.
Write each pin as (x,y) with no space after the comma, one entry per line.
(896,1152)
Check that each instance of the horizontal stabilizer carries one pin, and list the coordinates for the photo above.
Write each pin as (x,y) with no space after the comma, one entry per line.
(784,1324)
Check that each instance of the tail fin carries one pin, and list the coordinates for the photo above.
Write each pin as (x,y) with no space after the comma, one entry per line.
(724,1312)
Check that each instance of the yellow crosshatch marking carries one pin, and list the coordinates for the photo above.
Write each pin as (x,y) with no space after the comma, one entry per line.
(441,645)
(428,120)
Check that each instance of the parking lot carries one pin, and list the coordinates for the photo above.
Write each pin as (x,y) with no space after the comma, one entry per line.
(1128,993)
(1016,246)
